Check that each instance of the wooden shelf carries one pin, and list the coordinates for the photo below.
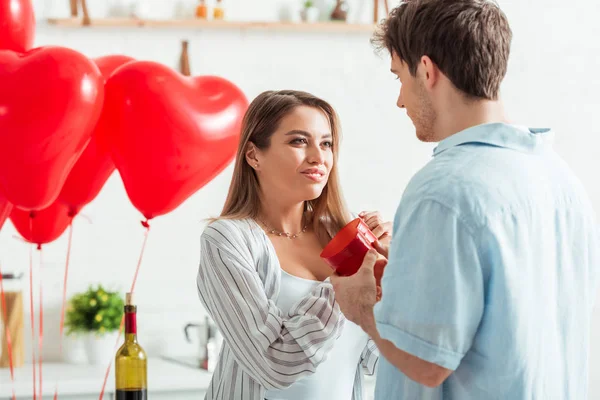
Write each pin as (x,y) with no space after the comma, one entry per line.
(214,25)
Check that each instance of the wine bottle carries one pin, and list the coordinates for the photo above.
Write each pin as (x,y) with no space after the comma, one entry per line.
(131,360)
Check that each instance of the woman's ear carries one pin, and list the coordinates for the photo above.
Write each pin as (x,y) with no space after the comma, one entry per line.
(251,156)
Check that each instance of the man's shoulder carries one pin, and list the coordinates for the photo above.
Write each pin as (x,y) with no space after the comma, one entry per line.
(493,181)
(447,181)
(459,187)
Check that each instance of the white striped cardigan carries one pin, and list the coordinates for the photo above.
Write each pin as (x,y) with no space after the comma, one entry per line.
(238,280)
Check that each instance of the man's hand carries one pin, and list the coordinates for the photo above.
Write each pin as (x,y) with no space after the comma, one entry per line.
(357,294)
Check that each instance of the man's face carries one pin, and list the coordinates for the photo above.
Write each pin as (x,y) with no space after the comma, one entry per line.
(415,99)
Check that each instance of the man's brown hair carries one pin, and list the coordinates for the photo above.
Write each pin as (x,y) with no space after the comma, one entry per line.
(468,40)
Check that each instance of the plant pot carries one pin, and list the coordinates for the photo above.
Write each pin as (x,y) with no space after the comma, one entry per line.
(100,348)
(309,14)
(74,350)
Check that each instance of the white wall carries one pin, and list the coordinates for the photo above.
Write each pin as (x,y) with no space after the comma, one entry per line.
(552,81)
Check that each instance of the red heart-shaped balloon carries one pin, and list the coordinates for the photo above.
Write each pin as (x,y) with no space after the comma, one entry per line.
(17,25)
(95,165)
(5,209)
(43,226)
(50,102)
(170,134)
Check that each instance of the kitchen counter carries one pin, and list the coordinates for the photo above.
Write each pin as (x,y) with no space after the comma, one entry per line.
(167,379)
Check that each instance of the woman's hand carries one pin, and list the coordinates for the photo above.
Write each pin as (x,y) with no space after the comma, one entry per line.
(382,230)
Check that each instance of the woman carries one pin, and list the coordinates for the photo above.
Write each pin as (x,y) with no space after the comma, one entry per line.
(261,277)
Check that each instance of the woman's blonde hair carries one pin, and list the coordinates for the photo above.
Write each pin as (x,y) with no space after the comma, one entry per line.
(328,212)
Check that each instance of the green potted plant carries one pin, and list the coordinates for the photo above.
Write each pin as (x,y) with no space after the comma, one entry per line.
(95,315)
(309,13)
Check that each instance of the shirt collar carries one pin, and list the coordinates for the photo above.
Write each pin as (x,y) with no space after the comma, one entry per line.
(501,135)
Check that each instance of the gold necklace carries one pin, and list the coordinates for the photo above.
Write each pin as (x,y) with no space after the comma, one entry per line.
(287,234)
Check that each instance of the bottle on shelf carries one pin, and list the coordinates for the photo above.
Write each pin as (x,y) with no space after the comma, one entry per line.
(219,12)
(184,60)
(201,10)
(130,360)
(340,12)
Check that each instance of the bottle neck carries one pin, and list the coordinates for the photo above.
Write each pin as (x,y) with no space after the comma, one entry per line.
(130,324)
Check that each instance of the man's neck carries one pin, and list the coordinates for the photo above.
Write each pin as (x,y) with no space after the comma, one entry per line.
(461,115)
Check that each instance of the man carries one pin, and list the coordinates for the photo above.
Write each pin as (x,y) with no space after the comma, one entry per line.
(492,267)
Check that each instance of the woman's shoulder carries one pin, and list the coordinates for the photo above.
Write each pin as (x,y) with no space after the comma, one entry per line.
(239,238)
(234,231)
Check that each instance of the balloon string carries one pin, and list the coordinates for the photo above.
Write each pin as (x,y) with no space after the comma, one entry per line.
(7,336)
(139,263)
(41,333)
(137,269)
(64,300)
(86,217)
(31,307)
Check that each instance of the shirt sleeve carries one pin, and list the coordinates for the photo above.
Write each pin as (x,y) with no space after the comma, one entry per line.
(432,288)
(273,348)
(369,357)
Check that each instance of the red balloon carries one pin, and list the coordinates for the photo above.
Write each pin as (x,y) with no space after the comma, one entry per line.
(5,209)
(95,165)
(43,226)
(170,134)
(50,101)
(108,64)
(17,25)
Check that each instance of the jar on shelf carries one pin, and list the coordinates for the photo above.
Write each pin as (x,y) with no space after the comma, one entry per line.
(184,10)
(219,12)
(201,10)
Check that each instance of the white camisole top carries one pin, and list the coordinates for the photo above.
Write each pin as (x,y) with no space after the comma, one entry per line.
(334,378)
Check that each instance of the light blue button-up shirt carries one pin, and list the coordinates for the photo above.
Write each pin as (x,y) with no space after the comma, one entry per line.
(492,271)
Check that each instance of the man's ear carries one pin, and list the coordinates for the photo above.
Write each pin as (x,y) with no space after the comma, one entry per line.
(429,71)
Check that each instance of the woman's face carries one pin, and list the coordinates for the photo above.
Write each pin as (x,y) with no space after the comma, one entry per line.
(297,164)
